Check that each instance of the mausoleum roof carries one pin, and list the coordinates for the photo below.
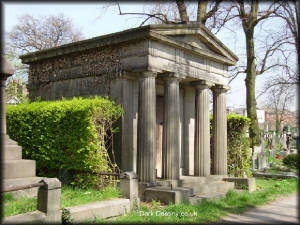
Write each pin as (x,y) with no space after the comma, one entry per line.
(169,34)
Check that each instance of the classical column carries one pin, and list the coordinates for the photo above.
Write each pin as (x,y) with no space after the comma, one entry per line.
(189,129)
(146,127)
(219,130)
(202,132)
(171,163)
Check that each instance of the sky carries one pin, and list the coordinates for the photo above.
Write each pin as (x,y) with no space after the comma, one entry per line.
(92,20)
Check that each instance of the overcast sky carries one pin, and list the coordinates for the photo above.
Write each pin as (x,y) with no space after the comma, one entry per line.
(92,21)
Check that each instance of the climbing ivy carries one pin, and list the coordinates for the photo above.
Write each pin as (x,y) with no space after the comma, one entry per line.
(101,64)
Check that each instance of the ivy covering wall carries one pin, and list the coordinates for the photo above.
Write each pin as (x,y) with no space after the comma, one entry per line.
(71,135)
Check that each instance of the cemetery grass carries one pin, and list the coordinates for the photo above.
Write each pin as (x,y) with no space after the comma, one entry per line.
(209,211)
(70,197)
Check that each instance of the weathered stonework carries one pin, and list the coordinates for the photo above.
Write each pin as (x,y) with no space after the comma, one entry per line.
(141,69)
(93,68)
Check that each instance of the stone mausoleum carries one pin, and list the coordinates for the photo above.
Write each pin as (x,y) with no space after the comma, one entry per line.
(162,76)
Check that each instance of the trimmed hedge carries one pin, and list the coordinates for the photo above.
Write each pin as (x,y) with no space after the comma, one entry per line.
(238,145)
(65,135)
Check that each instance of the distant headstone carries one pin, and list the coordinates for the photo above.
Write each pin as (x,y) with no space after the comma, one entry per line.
(275,139)
(262,160)
(283,142)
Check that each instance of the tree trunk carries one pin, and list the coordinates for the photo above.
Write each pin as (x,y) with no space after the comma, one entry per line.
(277,123)
(182,11)
(250,87)
(202,5)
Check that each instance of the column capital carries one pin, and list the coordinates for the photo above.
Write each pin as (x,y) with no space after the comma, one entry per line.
(202,84)
(148,73)
(171,76)
(220,88)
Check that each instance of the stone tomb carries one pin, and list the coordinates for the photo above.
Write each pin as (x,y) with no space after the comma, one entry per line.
(162,76)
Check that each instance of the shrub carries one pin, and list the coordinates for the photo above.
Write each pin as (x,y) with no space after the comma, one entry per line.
(291,161)
(65,135)
(238,145)
(238,157)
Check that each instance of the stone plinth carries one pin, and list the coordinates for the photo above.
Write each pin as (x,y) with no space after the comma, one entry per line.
(243,183)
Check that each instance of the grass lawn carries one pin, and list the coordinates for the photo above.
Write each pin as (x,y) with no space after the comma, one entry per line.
(209,211)
(70,197)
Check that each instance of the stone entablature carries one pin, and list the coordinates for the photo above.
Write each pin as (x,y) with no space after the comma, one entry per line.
(152,47)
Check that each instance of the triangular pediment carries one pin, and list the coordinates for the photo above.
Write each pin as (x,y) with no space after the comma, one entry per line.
(192,40)
(198,37)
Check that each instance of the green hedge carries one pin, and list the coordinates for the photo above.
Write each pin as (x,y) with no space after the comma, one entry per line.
(238,145)
(238,157)
(65,135)
(291,161)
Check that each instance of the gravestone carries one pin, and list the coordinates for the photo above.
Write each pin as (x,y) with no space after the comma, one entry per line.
(275,139)
(283,142)
(262,160)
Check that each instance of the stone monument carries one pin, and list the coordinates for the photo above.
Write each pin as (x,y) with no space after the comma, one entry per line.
(161,75)
(16,171)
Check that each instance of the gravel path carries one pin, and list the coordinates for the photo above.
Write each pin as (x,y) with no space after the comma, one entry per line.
(284,210)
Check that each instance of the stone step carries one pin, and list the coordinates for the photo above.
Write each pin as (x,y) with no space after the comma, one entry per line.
(194,180)
(225,187)
(16,182)
(8,141)
(12,152)
(211,196)
(212,187)
(18,168)
(167,195)
(101,209)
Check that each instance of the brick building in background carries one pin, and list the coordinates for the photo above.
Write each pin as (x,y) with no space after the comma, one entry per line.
(287,119)
(267,117)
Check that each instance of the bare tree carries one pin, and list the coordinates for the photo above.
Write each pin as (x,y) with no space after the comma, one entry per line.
(287,72)
(208,13)
(214,15)
(288,13)
(249,15)
(279,99)
(34,34)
